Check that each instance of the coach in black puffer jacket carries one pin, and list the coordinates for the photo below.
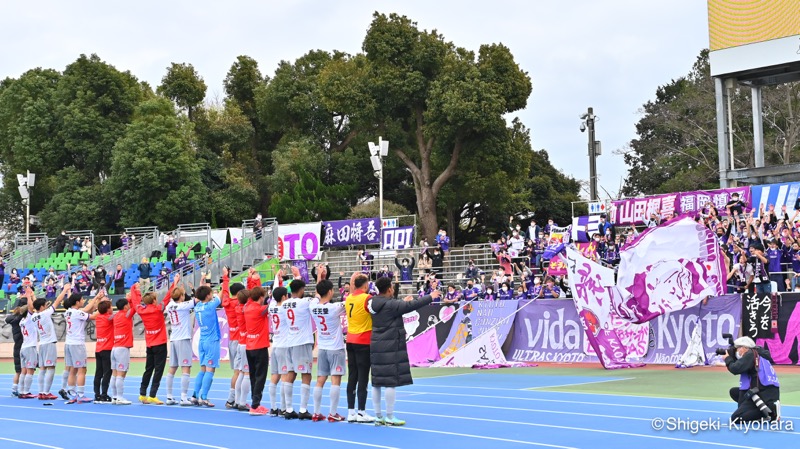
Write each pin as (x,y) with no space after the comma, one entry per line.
(388,354)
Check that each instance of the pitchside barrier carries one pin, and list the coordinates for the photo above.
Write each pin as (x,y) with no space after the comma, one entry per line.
(549,330)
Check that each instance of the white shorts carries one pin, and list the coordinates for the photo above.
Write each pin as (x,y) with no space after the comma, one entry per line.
(233,353)
(121,359)
(297,359)
(273,361)
(47,355)
(180,353)
(241,359)
(331,362)
(29,357)
(75,356)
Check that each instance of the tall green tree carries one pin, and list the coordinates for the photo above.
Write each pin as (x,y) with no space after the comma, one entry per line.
(241,84)
(437,100)
(676,144)
(156,177)
(183,85)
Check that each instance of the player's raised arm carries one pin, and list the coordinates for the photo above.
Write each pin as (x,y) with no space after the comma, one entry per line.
(62,295)
(93,303)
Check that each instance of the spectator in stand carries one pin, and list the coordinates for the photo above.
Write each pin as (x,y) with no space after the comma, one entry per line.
(423,244)
(498,278)
(533,230)
(50,289)
(385,273)
(344,287)
(473,272)
(105,248)
(51,276)
(549,290)
(548,229)
(611,254)
(794,258)
(437,260)
(443,241)
(258,226)
(516,243)
(118,279)
(145,271)
(86,246)
(253,278)
(452,296)
(489,295)
(286,274)
(760,273)
(172,249)
(61,242)
(520,293)
(735,206)
(321,272)
(505,262)
(654,220)
(125,241)
(406,269)
(742,275)
(180,261)
(100,276)
(424,264)
(505,292)
(76,244)
(471,292)
(774,255)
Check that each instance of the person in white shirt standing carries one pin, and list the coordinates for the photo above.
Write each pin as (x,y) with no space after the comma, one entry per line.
(48,354)
(75,349)
(180,344)
(29,357)
(278,329)
(331,353)
(297,358)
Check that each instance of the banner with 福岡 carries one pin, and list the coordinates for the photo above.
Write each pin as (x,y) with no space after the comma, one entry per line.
(359,231)
(635,210)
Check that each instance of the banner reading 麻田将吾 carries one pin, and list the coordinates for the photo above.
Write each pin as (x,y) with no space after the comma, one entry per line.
(359,231)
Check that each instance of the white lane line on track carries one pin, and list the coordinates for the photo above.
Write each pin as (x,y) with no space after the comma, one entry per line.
(30,443)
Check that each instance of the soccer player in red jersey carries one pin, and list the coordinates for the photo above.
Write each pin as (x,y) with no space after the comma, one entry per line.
(104,328)
(155,337)
(242,393)
(123,342)
(229,305)
(256,320)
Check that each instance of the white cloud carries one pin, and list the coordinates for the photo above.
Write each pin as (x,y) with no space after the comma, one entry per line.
(607,54)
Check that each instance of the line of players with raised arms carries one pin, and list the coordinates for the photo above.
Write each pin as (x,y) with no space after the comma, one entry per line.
(287,316)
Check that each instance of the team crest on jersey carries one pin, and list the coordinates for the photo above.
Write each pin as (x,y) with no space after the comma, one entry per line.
(301,367)
(121,366)
(283,368)
(210,362)
(49,362)
(78,363)
(185,361)
(246,368)
(338,369)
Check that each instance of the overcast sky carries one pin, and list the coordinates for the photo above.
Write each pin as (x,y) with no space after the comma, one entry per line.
(610,54)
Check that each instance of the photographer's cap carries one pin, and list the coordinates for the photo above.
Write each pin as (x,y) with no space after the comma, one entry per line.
(744,342)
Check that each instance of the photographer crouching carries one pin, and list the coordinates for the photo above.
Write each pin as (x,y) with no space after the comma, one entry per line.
(758,394)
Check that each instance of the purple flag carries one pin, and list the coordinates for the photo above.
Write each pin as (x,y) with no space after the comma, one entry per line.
(359,231)
(423,349)
(634,210)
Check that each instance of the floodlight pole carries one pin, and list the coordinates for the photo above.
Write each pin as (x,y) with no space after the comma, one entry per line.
(378,152)
(589,119)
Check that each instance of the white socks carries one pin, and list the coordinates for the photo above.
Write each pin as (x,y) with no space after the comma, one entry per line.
(273,396)
(41,380)
(48,379)
(120,387)
(236,391)
(185,386)
(244,391)
(65,379)
(113,386)
(28,383)
(391,394)
(287,396)
(80,390)
(317,400)
(335,393)
(376,401)
(170,381)
(305,392)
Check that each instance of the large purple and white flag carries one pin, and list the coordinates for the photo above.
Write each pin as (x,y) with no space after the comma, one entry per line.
(670,267)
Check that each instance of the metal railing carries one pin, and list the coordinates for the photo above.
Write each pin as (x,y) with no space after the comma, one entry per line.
(193,232)
(28,249)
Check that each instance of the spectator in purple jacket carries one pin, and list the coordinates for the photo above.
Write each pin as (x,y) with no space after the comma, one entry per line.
(452,296)
(443,241)
(172,248)
(125,241)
